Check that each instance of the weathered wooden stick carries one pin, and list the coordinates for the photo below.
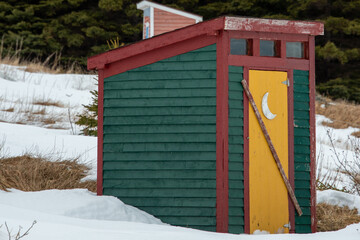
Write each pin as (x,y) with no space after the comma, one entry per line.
(272,148)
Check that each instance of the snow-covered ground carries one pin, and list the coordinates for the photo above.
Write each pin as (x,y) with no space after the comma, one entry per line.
(79,214)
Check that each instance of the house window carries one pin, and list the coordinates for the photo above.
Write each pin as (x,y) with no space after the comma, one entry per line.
(240,46)
(269,48)
(295,50)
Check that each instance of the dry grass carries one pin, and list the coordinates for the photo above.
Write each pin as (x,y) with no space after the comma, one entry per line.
(342,114)
(332,218)
(28,173)
(49,102)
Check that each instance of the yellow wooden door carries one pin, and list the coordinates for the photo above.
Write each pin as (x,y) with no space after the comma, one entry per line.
(269,210)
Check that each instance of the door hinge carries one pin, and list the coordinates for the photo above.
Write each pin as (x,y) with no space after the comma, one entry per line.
(287,82)
(288,225)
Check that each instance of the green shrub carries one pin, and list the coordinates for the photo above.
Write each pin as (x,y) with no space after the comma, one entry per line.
(347,89)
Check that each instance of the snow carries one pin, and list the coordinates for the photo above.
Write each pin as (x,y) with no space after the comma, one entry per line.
(338,198)
(80,214)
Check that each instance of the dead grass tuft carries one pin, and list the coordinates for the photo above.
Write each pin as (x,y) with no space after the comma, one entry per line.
(356,134)
(49,103)
(332,218)
(40,112)
(342,114)
(28,173)
(9,110)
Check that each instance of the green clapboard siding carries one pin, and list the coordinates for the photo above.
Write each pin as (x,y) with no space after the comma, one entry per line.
(302,149)
(159,151)
(236,142)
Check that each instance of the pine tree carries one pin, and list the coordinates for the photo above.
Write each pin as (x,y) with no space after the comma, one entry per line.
(88,119)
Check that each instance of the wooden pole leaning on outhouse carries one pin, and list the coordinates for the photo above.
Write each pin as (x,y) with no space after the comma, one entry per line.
(272,148)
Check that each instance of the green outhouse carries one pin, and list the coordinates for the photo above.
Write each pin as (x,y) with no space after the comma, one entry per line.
(179,138)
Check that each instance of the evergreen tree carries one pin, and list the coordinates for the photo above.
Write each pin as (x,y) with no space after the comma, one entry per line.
(88,119)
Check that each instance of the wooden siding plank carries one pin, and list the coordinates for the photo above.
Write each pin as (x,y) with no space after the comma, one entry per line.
(159,93)
(160,111)
(159,75)
(301,115)
(236,148)
(302,158)
(301,123)
(302,149)
(236,202)
(301,106)
(298,96)
(164,192)
(160,183)
(303,228)
(303,166)
(163,84)
(302,175)
(236,229)
(178,66)
(159,174)
(149,120)
(188,221)
(162,138)
(236,122)
(160,156)
(236,212)
(301,132)
(302,140)
(192,56)
(170,165)
(169,201)
(181,212)
(161,102)
(302,184)
(186,128)
(162,147)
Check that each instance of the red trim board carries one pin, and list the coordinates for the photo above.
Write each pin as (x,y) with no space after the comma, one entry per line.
(246,157)
(100,132)
(312,132)
(222,129)
(291,169)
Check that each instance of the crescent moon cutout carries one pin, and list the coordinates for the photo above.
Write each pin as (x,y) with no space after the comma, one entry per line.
(265,107)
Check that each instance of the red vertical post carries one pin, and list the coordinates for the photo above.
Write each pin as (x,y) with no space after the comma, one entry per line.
(222,129)
(246,157)
(100,132)
(312,132)
(291,170)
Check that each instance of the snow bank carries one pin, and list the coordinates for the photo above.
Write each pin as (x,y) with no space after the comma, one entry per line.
(339,198)
(78,203)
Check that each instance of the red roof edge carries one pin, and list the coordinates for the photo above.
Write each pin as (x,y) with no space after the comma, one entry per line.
(208,27)
(274,25)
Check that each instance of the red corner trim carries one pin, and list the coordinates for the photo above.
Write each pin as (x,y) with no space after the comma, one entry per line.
(222,129)
(291,170)
(246,156)
(100,132)
(312,132)
(204,28)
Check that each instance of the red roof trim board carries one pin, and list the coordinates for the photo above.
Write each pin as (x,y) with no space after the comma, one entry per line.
(273,25)
(210,27)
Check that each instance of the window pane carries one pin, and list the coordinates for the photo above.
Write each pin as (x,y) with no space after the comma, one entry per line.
(294,50)
(238,46)
(267,48)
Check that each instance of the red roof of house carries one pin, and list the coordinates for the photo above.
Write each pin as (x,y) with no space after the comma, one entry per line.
(210,27)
